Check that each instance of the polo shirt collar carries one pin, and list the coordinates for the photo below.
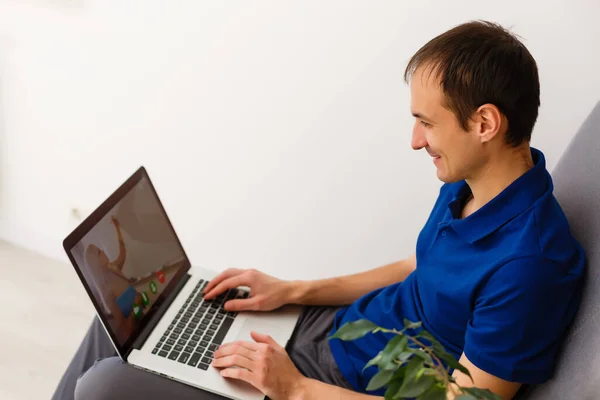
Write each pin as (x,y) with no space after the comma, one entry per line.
(512,201)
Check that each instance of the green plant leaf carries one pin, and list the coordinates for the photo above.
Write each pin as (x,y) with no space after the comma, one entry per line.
(439,351)
(422,355)
(412,385)
(412,325)
(392,351)
(380,379)
(413,389)
(435,344)
(393,387)
(374,361)
(405,355)
(354,330)
(453,363)
(484,394)
(433,393)
(395,383)
(406,371)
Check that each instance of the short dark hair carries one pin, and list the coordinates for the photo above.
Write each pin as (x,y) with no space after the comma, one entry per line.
(480,62)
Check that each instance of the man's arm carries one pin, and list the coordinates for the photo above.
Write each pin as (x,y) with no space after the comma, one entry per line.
(268,293)
(310,389)
(346,289)
(483,380)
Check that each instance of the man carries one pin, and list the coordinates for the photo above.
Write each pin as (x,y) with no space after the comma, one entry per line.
(495,278)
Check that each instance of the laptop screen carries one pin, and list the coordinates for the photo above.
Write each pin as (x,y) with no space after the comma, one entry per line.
(129,258)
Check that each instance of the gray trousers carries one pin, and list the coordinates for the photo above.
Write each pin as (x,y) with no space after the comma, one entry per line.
(97,373)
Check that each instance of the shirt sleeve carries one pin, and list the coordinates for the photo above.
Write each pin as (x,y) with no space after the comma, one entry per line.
(519,319)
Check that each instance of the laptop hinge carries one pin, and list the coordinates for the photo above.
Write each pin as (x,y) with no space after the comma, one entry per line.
(162,309)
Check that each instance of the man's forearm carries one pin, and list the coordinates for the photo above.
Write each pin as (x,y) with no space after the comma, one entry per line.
(346,289)
(310,389)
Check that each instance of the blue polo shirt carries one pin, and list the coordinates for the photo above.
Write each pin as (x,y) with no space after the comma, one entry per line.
(501,285)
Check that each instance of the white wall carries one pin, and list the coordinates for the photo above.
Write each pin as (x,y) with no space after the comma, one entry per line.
(277,132)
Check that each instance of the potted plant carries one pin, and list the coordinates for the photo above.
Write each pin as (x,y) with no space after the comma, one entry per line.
(413,364)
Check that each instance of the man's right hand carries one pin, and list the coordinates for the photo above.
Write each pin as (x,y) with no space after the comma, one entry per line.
(266,292)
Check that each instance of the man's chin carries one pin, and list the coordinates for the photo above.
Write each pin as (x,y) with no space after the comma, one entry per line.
(446,178)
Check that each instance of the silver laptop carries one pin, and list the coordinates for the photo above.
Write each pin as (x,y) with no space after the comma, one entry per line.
(149,298)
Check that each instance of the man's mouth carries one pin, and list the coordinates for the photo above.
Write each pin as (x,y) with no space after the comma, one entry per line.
(435,157)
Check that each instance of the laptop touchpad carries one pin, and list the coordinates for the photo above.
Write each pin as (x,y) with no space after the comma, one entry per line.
(260,327)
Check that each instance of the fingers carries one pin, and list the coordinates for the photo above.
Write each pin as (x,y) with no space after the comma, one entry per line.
(237,359)
(232,356)
(243,348)
(240,374)
(251,304)
(261,338)
(229,283)
(220,278)
(234,360)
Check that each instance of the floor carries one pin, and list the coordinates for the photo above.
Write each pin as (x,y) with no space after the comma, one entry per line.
(44,314)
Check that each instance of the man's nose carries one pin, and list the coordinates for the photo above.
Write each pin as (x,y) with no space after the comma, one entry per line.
(418,139)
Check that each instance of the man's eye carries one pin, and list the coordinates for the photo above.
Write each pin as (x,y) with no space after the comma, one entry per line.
(425,124)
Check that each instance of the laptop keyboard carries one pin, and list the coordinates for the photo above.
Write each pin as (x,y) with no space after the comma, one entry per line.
(198,329)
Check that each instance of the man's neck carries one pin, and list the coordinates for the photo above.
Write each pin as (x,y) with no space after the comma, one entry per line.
(497,175)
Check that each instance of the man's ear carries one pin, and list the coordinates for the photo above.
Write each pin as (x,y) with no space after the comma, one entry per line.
(488,121)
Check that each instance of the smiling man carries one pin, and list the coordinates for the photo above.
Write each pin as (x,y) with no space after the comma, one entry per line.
(495,277)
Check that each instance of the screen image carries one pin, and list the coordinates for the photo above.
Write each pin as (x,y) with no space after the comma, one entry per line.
(128,259)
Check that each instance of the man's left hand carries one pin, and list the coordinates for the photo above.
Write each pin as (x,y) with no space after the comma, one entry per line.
(264,364)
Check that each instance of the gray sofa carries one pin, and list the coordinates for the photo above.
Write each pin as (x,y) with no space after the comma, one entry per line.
(577,188)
